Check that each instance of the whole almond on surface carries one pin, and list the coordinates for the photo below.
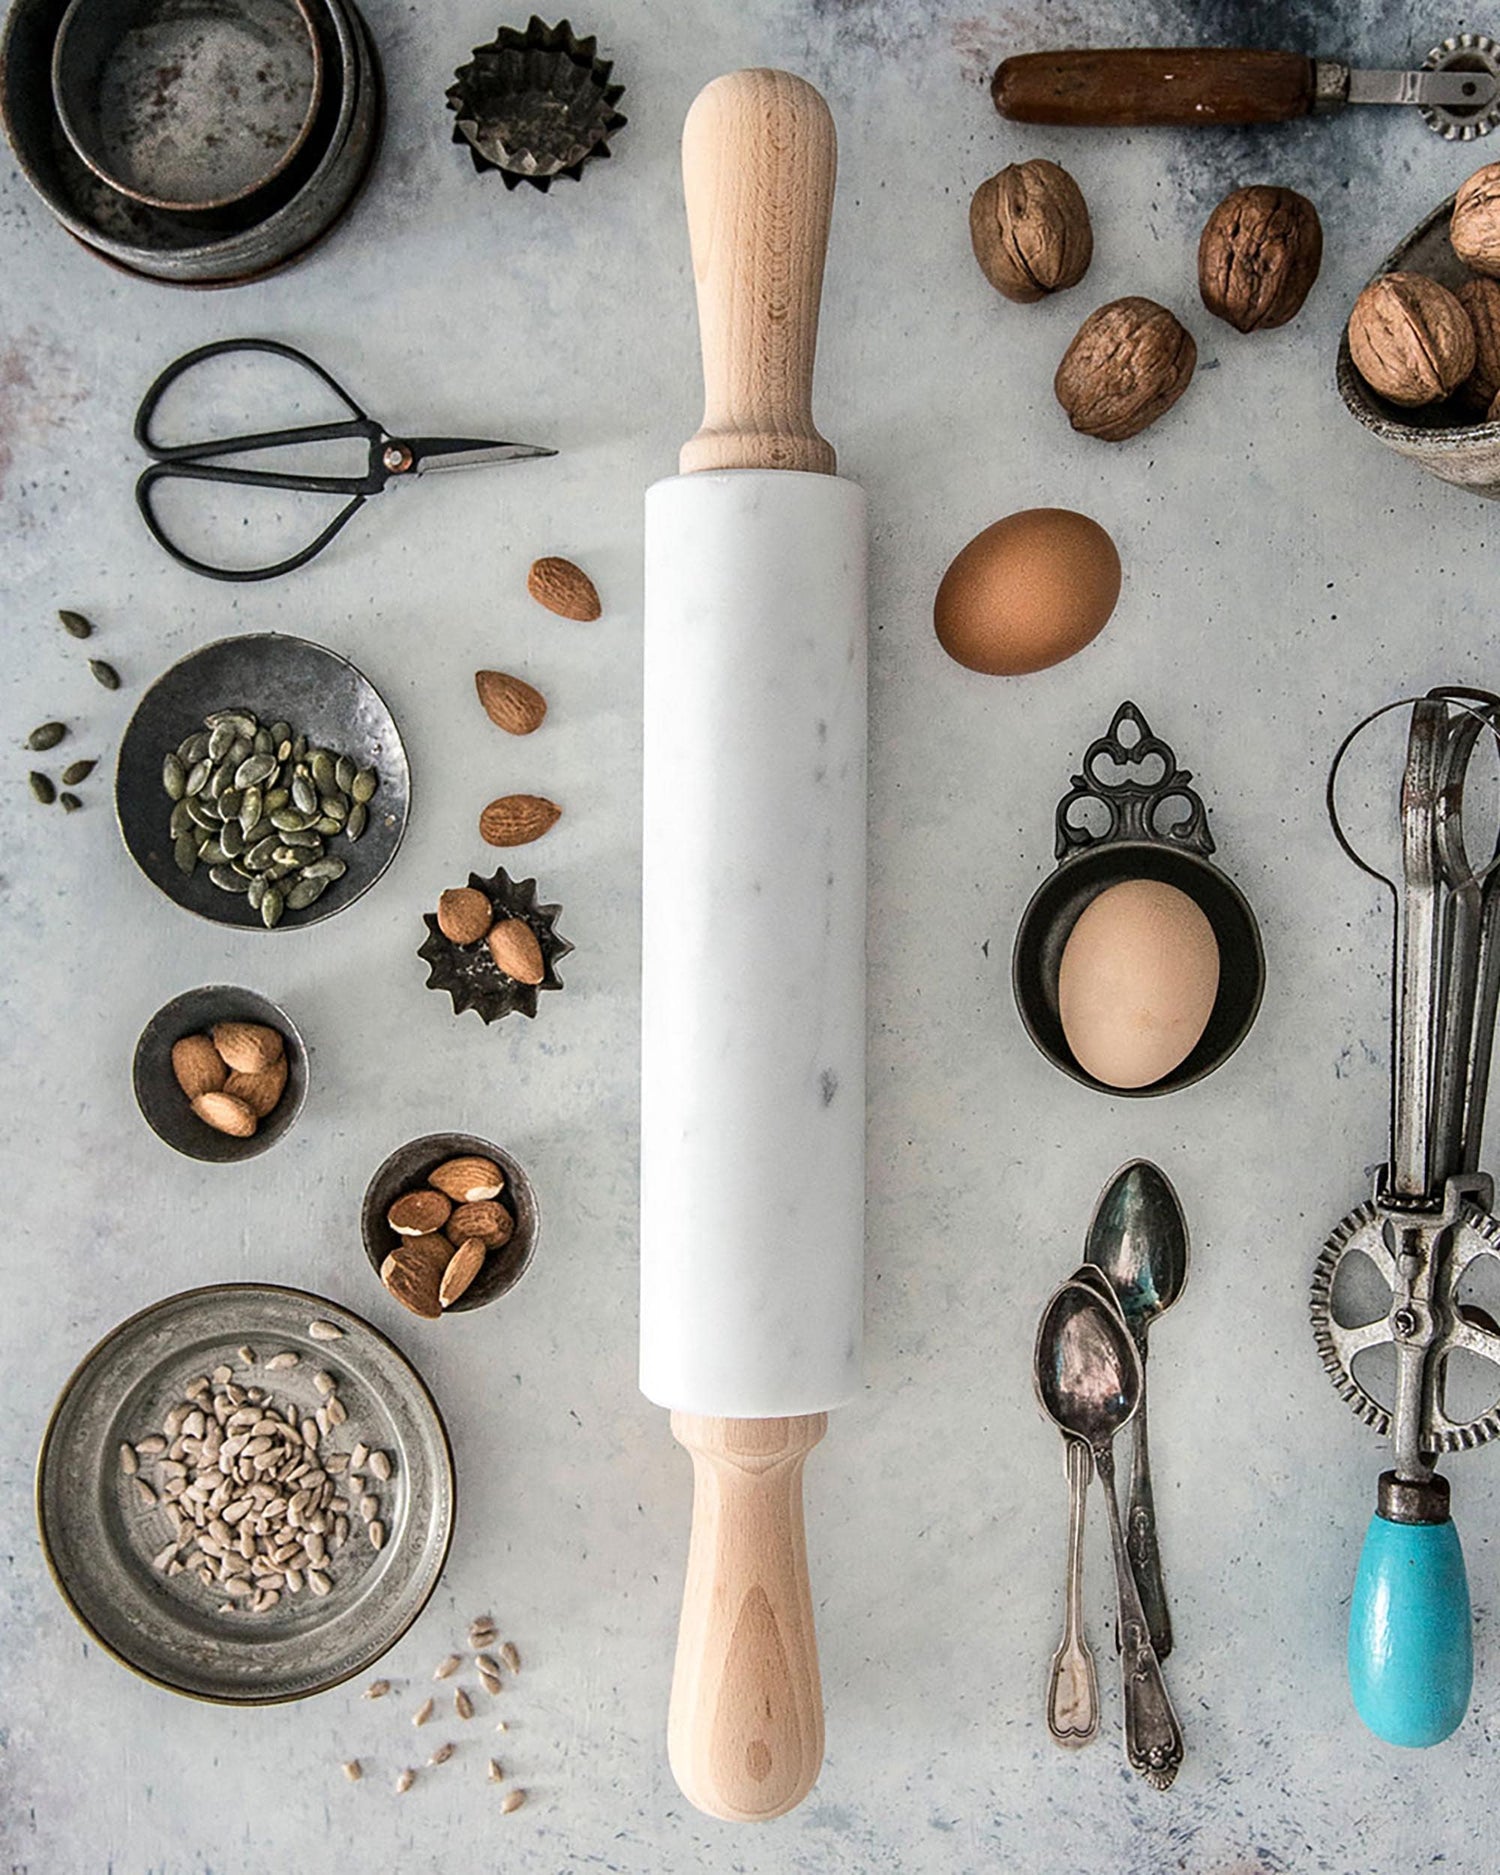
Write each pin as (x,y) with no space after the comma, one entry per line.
(419,1213)
(247,1047)
(464,915)
(413,1273)
(225,1114)
(564,589)
(487,1222)
(261,1091)
(468,1181)
(517,819)
(510,703)
(514,947)
(463,1266)
(198,1065)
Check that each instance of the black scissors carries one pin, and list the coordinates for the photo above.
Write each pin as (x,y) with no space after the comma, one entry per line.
(391,458)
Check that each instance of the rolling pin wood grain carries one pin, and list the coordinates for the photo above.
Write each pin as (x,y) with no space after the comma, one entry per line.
(752,1078)
(1159,85)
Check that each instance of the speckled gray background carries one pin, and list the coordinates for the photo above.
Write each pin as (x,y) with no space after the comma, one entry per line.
(1283,575)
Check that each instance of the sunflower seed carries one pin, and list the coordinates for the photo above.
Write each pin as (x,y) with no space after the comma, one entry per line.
(441,1755)
(76,625)
(318,1582)
(512,1800)
(405,1781)
(380,1465)
(325,1383)
(105,674)
(494,1773)
(491,1684)
(462,1704)
(423,1712)
(46,736)
(359,1457)
(286,1358)
(482,1631)
(127,1459)
(76,773)
(486,1663)
(353,1770)
(376,1533)
(446,1668)
(151,1447)
(42,788)
(502,1725)
(511,1658)
(369,1508)
(377,1689)
(336,1411)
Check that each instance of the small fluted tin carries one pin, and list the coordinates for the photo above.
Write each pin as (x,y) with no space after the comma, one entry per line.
(536,105)
(1154,829)
(469,975)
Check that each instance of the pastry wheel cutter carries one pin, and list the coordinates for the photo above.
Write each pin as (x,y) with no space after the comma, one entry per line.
(1420,1236)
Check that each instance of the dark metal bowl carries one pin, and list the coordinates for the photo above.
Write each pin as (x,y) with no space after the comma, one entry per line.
(188,105)
(235,244)
(162,1102)
(304,684)
(410,1166)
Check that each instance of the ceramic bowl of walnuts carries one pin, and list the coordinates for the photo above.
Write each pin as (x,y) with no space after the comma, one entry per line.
(1419,364)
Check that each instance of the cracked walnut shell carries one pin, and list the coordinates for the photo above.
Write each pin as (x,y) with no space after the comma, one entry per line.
(1030,229)
(1258,256)
(1410,339)
(1128,364)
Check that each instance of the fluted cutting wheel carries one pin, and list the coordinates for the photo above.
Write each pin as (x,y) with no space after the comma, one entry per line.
(1476,1234)
(1464,52)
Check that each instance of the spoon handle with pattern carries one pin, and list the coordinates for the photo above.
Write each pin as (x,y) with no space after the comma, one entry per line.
(1153,1738)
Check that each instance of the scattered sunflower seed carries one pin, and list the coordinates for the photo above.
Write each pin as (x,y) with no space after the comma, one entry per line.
(76,625)
(325,1331)
(462,1704)
(405,1781)
(502,1725)
(287,1358)
(105,674)
(46,736)
(494,1773)
(491,1684)
(445,1669)
(377,1689)
(482,1631)
(376,1534)
(512,1800)
(325,1383)
(128,1462)
(380,1465)
(511,1658)
(353,1770)
(423,1712)
(77,773)
(487,1664)
(441,1755)
(42,788)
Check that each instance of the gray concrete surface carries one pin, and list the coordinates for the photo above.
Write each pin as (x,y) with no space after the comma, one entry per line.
(1283,575)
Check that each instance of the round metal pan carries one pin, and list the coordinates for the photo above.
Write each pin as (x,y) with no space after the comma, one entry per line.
(188,105)
(99,1539)
(258,238)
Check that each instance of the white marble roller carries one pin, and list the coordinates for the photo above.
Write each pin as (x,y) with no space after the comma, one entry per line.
(753,1018)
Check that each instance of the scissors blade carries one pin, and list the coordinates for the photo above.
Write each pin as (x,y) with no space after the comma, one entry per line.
(466,452)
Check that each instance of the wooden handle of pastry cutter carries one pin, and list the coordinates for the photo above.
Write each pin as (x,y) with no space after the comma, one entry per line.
(1158,85)
(759,155)
(745,1735)
(745,1731)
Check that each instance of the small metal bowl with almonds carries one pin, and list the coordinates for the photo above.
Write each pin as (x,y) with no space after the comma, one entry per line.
(450,1223)
(220,1073)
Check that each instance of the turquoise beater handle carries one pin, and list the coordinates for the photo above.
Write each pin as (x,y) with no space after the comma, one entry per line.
(1411,1648)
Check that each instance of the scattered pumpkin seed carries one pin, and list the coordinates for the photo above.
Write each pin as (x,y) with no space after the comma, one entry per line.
(69,803)
(42,788)
(76,625)
(77,772)
(105,674)
(46,736)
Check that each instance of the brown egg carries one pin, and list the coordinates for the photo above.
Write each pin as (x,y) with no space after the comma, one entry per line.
(1027,592)
(1137,982)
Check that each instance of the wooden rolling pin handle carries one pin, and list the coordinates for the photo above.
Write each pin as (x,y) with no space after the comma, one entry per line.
(745,1735)
(1193,85)
(758,160)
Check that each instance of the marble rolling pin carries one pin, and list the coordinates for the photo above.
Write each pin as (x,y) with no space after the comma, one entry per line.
(752,1096)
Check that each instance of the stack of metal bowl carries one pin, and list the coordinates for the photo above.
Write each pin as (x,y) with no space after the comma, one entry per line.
(199,142)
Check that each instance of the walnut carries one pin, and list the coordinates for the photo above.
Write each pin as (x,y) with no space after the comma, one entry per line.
(1130,361)
(1030,229)
(1258,256)
(1475,227)
(1410,339)
(1480,299)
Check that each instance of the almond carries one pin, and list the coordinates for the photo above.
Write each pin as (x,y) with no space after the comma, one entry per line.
(463,1267)
(198,1065)
(467,1181)
(413,1273)
(261,1091)
(419,1213)
(488,1222)
(517,819)
(517,954)
(564,589)
(509,703)
(247,1047)
(225,1114)
(464,915)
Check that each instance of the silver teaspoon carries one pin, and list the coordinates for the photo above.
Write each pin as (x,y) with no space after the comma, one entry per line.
(1139,1239)
(1088,1379)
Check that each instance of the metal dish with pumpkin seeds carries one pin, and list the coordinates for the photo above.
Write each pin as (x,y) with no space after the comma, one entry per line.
(262,783)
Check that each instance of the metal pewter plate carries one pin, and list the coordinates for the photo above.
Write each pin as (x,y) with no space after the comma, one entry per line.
(99,1539)
(278,678)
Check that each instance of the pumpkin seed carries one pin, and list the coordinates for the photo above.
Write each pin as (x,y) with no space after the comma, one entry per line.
(257,893)
(212,854)
(42,788)
(76,625)
(324,771)
(276,800)
(227,879)
(193,748)
(46,736)
(283,869)
(344,772)
(265,742)
(289,820)
(69,803)
(237,721)
(180,822)
(232,839)
(336,807)
(240,750)
(281,732)
(105,674)
(358,815)
(221,740)
(197,778)
(304,795)
(228,803)
(185,853)
(304,893)
(250,808)
(220,779)
(364,785)
(199,815)
(254,770)
(77,772)
(326,826)
(263,852)
(299,748)
(329,869)
(271,907)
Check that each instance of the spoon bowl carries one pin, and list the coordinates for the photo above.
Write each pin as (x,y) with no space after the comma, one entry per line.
(1087,1372)
(1138,1238)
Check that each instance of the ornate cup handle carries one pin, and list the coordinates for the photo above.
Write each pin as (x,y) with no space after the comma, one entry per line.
(1134,807)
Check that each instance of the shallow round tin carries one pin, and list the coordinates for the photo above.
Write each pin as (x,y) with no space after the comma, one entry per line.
(281,679)
(99,1541)
(165,1108)
(1444,439)
(188,105)
(1155,828)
